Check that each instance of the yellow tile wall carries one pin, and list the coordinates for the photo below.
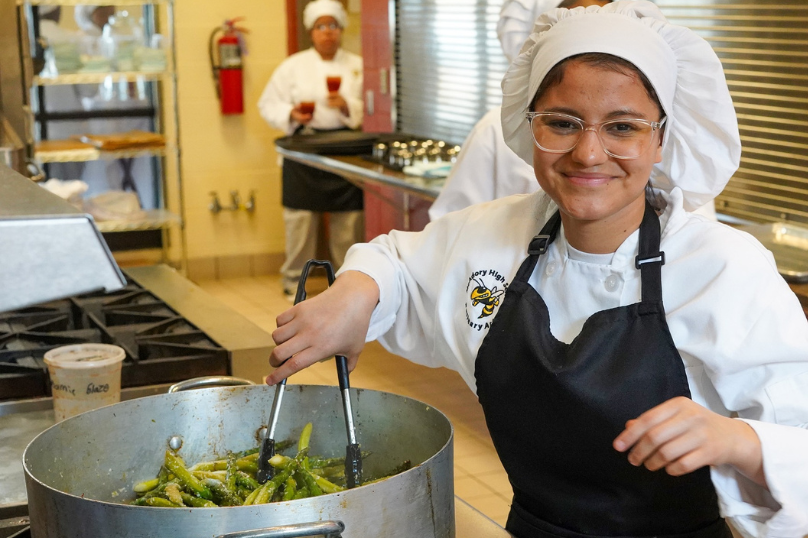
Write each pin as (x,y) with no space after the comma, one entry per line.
(224,153)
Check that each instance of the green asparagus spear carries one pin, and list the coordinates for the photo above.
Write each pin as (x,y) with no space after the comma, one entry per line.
(146,485)
(271,486)
(311,484)
(305,438)
(175,466)
(155,501)
(280,462)
(333,462)
(172,492)
(230,477)
(196,502)
(290,488)
(252,496)
(247,466)
(221,495)
(216,475)
(326,486)
(246,481)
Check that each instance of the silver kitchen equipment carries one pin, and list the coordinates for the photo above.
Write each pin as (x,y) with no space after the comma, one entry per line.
(80,470)
(789,245)
(51,250)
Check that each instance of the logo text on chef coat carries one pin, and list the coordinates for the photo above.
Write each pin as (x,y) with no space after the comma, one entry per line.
(485,289)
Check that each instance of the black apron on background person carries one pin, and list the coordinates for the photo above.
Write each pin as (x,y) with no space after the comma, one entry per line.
(312,189)
(554,409)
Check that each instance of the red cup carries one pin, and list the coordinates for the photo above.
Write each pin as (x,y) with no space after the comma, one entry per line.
(333,83)
(307,107)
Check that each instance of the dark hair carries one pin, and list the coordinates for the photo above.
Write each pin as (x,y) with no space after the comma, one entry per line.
(603,61)
(568,3)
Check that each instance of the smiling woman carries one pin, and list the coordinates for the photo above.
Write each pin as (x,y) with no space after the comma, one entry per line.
(611,409)
(575,167)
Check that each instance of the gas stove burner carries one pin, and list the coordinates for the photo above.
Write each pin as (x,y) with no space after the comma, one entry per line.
(161,346)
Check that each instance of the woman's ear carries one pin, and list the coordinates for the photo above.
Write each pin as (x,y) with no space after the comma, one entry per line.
(658,156)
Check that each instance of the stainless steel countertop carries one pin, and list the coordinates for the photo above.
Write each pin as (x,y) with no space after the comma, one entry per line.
(249,345)
(20,422)
(361,172)
(227,327)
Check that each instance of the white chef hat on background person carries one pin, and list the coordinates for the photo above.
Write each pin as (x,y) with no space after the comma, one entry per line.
(516,19)
(324,8)
(701,148)
(83,14)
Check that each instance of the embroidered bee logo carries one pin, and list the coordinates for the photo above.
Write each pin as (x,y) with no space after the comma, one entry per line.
(489,298)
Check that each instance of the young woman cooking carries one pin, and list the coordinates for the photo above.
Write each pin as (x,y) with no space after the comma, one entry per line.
(645,372)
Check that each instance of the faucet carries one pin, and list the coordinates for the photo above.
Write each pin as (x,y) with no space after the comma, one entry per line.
(249,205)
(235,201)
(215,206)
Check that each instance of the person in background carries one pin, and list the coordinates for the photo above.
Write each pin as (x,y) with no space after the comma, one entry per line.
(486,168)
(92,19)
(643,370)
(308,192)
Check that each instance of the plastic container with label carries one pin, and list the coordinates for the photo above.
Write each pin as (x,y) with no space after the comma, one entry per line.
(84,377)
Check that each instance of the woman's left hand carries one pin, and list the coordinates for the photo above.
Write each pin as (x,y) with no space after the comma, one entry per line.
(335,100)
(681,436)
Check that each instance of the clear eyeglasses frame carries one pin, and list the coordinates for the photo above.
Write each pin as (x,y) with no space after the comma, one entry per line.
(554,132)
(331,26)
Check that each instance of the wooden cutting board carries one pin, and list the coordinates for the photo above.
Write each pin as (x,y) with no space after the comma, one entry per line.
(127,140)
(62,145)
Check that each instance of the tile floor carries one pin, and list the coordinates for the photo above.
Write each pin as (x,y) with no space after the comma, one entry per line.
(479,477)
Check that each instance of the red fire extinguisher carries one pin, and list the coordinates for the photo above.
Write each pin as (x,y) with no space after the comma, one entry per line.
(227,71)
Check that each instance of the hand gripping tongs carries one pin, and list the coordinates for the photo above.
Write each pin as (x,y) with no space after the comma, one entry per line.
(353,456)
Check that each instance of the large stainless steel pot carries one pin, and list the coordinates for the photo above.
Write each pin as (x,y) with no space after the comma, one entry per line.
(78,471)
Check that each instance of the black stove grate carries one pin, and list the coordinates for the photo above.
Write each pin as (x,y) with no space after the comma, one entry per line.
(161,346)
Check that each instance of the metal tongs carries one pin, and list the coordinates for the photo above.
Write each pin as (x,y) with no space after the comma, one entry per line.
(353,456)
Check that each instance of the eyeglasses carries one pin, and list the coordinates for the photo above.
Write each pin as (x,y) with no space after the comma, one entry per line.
(622,139)
(331,26)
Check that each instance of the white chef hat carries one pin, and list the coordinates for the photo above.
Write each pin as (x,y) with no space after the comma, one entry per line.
(84,19)
(516,19)
(324,8)
(701,148)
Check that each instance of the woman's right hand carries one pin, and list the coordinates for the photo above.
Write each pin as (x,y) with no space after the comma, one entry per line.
(298,116)
(334,322)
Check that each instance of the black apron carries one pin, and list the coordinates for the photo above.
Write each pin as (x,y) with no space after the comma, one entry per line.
(554,409)
(305,187)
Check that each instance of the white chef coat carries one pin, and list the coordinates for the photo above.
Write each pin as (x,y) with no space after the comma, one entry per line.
(739,328)
(486,169)
(301,77)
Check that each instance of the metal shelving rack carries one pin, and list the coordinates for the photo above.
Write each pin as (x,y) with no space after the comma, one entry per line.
(167,215)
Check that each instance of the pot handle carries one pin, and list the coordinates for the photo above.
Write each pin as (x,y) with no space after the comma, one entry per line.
(209,381)
(315,528)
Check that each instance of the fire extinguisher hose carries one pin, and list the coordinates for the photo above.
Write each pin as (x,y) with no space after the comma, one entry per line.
(214,67)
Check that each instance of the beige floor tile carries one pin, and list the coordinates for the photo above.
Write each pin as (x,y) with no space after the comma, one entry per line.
(494,507)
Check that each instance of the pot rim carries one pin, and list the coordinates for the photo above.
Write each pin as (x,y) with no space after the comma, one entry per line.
(415,469)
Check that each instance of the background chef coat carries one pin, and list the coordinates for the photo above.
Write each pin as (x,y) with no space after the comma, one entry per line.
(486,169)
(301,77)
(739,328)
